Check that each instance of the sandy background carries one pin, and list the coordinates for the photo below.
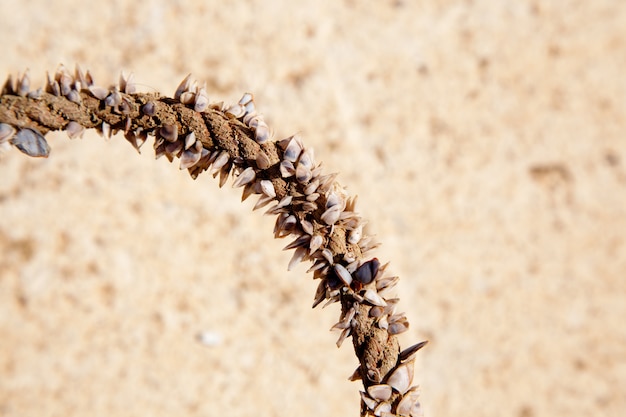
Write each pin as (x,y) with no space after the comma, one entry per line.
(487,143)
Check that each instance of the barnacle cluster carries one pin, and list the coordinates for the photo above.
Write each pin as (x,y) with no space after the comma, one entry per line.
(234,140)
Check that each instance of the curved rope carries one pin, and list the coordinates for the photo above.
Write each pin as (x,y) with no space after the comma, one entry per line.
(235,141)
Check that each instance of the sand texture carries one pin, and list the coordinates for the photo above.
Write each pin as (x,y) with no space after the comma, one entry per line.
(487,143)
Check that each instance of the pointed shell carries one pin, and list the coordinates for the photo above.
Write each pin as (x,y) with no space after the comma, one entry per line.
(262,132)
(374,298)
(149,109)
(297,257)
(182,87)
(380,392)
(401,378)
(31,142)
(369,402)
(381,408)
(268,188)
(191,156)
(331,215)
(397,328)
(169,132)
(409,353)
(287,169)
(6,132)
(293,150)
(367,271)
(263,161)
(343,336)
(409,404)
(74,130)
(98,92)
(343,274)
(246,98)
(248,175)
(303,173)
(315,243)
(190,140)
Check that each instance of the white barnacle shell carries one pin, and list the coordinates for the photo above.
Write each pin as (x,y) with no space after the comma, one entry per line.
(187,97)
(331,215)
(297,257)
(307,158)
(368,401)
(397,328)
(182,87)
(80,77)
(127,84)
(328,255)
(149,109)
(385,285)
(287,169)
(52,86)
(246,98)
(98,92)
(343,336)
(31,142)
(224,172)
(220,161)
(173,149)
(6,132)
(380,392)
(401,378)
(113,99)
(268,188)
(300,241)
(201,100)
(191,156)
(285,201)
(235,111)
(190,140)
(264,200)
(312,197)
(355,235)
(374,298)
(382,409)
(315,243)
(248,175)
(250,110)
(288,225)
(169,132)
(106,130)
(303,173)
(251,119)
(74,130)
(23,84)
(262,160)
(409,404)
(320,293)
(293,150)
(74,97)
(36,94)
(312,187)
(307,226)
(343,274)
(262,132)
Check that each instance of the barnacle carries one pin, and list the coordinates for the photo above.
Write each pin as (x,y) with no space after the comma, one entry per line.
(234,141)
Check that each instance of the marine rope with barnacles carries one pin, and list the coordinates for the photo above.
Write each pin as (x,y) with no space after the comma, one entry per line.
(309,204)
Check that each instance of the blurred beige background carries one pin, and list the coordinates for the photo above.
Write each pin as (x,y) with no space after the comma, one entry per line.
(487,143)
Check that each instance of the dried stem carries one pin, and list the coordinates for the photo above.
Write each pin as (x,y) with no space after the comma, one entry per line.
(309,204)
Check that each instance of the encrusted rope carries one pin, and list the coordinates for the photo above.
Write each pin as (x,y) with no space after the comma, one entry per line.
(223,140)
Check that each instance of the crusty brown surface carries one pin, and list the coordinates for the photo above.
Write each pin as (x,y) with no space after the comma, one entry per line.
(486,141)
